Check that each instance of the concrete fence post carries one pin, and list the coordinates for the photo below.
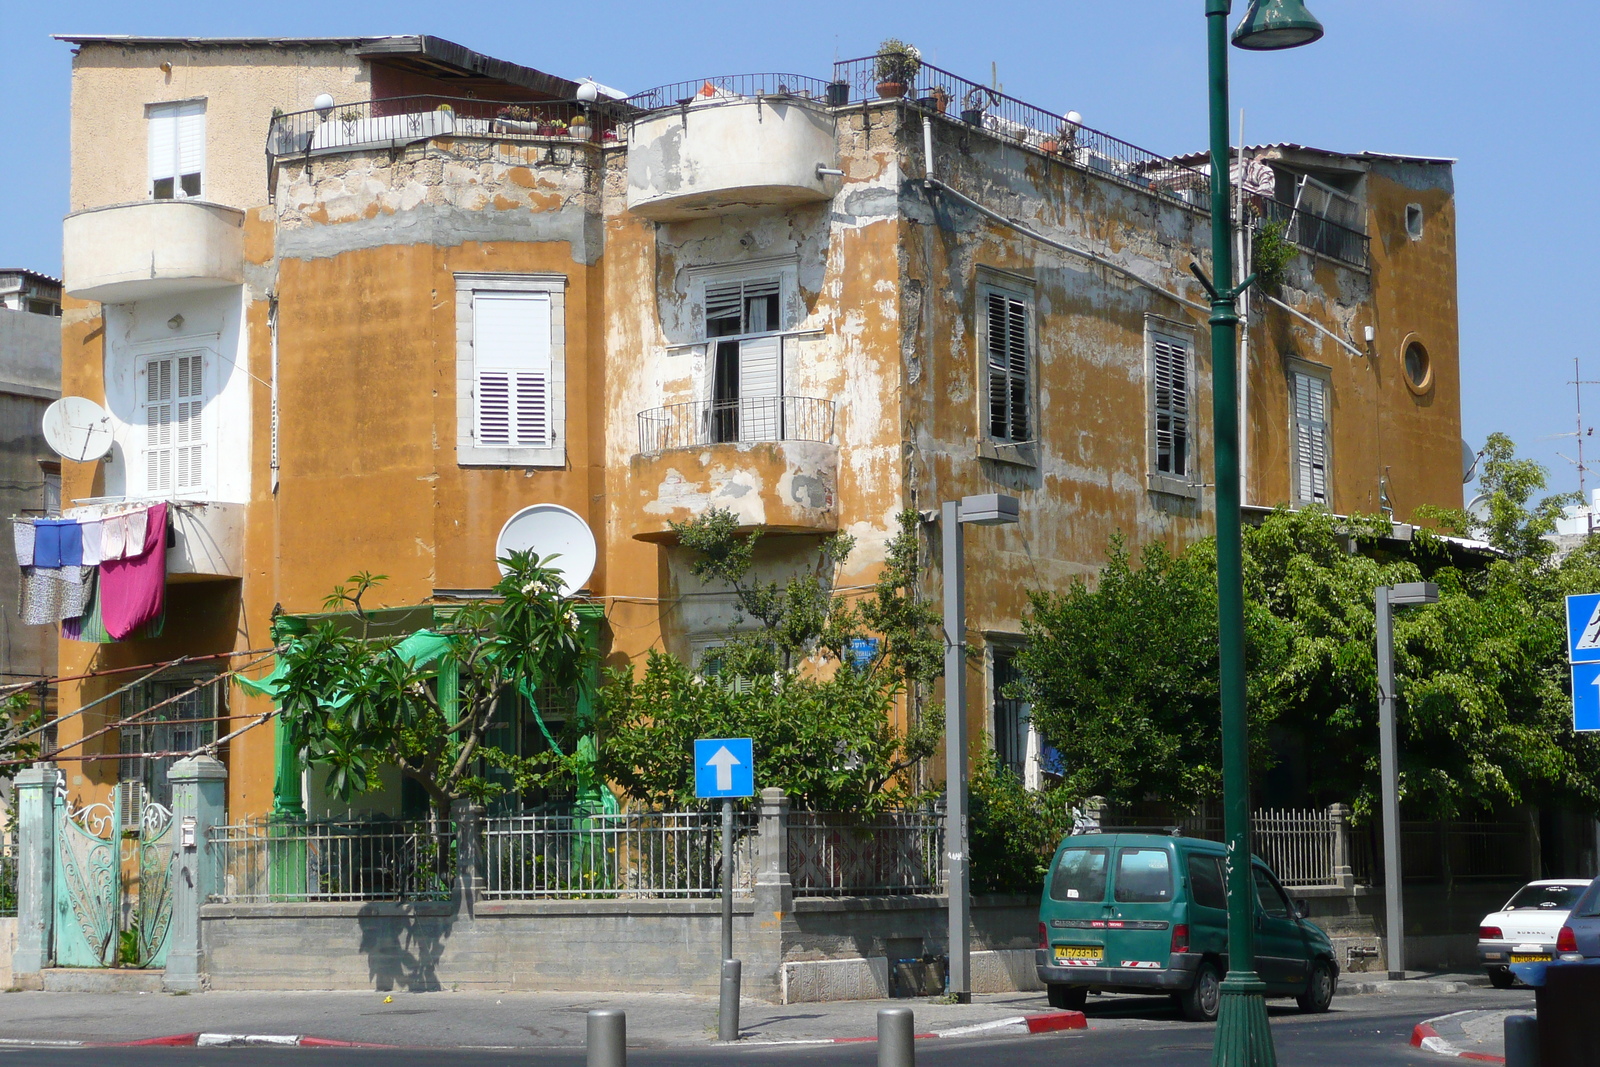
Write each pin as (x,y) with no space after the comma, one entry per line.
(773,890)
(199,802)
(468,820)
(36,856)
(1343,874)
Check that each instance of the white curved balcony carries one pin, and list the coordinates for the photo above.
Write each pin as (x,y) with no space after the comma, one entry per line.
(127,252)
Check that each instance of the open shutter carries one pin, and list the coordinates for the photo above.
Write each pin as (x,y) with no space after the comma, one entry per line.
(188,409)
(158,417)
(511,370)
(760,389)
(177,142)
(1170,366)
(1311,439)
(1007,330)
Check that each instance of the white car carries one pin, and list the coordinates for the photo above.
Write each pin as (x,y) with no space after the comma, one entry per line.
(1524,931)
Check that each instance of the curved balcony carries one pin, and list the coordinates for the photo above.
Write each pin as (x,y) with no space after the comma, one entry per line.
(769,460)
(126,252)
(730,143)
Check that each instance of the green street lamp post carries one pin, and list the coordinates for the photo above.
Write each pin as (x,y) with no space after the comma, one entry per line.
(1243,1037)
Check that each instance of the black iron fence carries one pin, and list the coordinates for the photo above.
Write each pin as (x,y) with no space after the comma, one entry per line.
(1445,851)
(1311,230)
(1006,117)
(746,419)
(395,121)
(730,88)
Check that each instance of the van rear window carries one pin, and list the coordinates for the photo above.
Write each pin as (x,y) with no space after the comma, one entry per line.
(1144,876)
(1080,875)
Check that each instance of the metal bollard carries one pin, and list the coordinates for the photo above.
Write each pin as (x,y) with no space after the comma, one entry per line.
(896,1044)
(728,1009)
(608,1038)
(1522,1041)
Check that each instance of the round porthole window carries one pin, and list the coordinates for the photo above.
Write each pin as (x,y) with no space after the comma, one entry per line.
(1419,369)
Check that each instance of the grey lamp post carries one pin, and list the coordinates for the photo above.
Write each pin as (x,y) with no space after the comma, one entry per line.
(992,509)
(1390,597)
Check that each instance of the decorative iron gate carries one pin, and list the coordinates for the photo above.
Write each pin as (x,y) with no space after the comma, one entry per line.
(93,879)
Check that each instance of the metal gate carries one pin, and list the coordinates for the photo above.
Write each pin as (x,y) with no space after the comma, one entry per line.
(94,879)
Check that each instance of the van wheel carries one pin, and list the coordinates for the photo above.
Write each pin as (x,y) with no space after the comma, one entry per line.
(1501,977)
(1319,989)
(1199,1002)
(1067,997)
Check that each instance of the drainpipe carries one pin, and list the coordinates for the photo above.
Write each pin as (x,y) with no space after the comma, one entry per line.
(272,333)
(927,151)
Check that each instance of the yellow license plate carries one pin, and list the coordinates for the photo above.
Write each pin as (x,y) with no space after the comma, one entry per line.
(1079,952)
(1529,957)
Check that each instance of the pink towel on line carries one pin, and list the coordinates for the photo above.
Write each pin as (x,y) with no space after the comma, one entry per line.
(133,589)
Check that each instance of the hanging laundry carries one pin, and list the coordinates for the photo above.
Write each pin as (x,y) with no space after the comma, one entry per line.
(54,594)
(137,521)
(46,544)
(22,536)
(132,590)
(113,537)
(91,544)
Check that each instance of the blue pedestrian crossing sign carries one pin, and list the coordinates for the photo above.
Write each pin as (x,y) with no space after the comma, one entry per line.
(1585,696)
(1583,628)
(724,767)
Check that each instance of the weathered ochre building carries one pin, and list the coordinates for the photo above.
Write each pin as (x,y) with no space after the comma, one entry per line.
(420,304)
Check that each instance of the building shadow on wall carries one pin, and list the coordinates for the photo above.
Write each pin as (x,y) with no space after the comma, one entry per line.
(403,947)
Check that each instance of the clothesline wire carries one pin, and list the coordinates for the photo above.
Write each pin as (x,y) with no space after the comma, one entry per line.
(208,748)
(17,687)
(101,700)
(86,738)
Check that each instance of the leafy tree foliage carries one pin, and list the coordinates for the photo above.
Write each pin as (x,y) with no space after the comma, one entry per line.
(353,703)
(817,702)
(1014,831)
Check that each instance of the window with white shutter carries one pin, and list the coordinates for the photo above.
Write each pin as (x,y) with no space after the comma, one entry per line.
(1308,409)
(1007,330)
(173,398)
(510,370)
(743,320)
(1170,389)
(177,139)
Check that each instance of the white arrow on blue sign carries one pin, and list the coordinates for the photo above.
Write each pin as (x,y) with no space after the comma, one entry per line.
(724,767)
(1583,628)
(1586,696)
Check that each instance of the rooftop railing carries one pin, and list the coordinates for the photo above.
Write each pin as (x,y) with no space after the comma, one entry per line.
(1006,117)
(730,88)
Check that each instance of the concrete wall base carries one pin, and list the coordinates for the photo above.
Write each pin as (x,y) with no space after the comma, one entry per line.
(812,981)
(98,980)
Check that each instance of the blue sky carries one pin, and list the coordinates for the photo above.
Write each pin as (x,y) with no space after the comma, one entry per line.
(1508,90)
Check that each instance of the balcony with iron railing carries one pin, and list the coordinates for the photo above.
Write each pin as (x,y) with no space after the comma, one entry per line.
(1315,232)
(769,460)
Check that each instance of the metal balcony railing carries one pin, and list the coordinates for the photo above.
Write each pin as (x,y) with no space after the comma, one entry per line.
(1311,230)
(729,88)
(745,420)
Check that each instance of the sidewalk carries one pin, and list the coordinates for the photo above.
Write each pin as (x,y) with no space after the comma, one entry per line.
(1468,1035)
(464,1020)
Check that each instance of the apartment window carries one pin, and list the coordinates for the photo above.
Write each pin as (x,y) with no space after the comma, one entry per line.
(185,724)
(1169,369)
(745,350)
(1008,344)
(50,472)
(1016,744)
(510,370)
(177,135)
(172,399)
(1308,409)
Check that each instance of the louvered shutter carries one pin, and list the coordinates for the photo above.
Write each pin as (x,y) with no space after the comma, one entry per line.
(760,389)
(1170,367)
(1007,330)
(187,436)
(177,135)
(174,423)
(511,370)
(158,426)
(1311,439)
(163,149)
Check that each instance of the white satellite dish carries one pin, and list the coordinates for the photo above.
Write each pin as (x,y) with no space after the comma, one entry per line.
(77,429)
(1478,508)
(546,530)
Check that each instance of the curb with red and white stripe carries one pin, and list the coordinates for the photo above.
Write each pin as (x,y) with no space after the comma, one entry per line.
(1425,1037)
(1050,1022)
(202,1040)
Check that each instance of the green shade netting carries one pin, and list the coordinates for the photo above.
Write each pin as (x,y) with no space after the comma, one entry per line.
(424,646)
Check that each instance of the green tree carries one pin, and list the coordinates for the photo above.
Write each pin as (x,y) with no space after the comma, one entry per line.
(353,703)
(815,685)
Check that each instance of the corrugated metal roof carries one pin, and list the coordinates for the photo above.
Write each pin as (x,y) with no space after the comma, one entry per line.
(1290,146)
(40,275)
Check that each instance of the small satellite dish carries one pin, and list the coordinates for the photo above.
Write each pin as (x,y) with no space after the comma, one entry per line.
(1469,461)
(77,429)
(1478,508)
(551,530)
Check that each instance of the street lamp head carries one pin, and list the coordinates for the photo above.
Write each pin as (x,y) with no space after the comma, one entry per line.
(1408,593)
(1272,25)
(990,509)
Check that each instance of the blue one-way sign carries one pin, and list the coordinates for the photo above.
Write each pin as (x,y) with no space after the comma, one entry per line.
(1583,628)
(1586,696)
(724,767)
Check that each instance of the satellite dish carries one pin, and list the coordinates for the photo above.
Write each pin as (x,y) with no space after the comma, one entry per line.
(1469,461)
(1478,508)
(77,429)
(550,530)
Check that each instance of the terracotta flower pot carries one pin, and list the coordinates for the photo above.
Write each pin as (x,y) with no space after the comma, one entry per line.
(892,90)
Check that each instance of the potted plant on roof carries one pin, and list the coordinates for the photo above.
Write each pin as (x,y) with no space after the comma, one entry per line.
(579,129)
(514,118)
(897,66)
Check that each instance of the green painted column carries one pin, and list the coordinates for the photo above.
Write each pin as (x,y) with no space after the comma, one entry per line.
(286,845)
(593,796)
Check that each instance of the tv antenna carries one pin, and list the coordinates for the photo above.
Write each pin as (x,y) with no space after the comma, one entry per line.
(1578,382)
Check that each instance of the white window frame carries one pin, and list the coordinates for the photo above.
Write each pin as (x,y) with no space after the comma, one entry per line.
(1020,290)
(1157,332)
(1295,370)
(752,425)
(138,479)
(174,112)
(469,453)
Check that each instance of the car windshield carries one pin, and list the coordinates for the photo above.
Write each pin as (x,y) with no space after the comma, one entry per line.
(1546,897)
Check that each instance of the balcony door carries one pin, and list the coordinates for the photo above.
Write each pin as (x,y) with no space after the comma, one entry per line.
(746,350)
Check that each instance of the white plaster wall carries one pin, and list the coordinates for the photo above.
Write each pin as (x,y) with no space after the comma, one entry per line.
(212,321)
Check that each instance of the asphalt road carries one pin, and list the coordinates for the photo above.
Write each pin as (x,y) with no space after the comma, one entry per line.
(1369,1031)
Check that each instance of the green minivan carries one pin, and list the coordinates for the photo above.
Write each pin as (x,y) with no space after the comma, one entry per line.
(1141,912)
